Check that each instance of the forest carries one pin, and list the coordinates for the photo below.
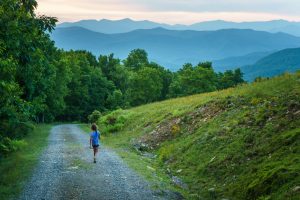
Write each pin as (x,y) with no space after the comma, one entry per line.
(40,83)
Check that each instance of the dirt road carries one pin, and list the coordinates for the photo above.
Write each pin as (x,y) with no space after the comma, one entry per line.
(66,171)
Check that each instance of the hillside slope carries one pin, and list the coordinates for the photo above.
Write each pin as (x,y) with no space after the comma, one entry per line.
(287,60)
(240,143)
(172,48)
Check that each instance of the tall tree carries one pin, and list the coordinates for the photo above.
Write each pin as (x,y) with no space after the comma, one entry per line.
(145,86)
(191,80)
(136,59)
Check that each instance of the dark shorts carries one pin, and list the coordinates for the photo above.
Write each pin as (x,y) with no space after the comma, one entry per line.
(96,146)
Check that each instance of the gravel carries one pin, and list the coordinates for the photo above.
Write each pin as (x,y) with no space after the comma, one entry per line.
(66,171)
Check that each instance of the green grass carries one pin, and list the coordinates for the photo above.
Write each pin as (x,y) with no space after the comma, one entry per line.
(239,143)
(17,167)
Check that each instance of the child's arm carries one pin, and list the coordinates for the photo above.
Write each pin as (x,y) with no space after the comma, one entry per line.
(90,142)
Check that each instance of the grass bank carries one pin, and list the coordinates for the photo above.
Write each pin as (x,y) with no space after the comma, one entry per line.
(239,143)
(18,166)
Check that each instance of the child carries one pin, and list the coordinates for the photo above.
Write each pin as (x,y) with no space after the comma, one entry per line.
(94,140)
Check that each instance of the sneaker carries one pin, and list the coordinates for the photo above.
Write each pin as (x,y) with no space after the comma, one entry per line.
(94,160)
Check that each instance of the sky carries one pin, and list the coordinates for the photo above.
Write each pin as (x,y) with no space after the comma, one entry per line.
(171,11)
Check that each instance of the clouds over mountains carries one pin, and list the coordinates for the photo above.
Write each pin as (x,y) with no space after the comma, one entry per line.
(172,11)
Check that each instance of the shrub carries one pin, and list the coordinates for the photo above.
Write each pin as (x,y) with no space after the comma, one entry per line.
(175,129)
(8,145)
(166,152)
(23,128)
(94,117)
(113,121)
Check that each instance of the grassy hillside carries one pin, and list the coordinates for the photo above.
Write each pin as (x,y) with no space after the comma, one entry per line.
(287,60)
(240,143)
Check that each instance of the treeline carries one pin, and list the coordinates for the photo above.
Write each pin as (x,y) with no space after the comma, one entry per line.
(40,83)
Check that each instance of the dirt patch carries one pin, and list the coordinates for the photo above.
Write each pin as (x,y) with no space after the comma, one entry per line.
(186,124)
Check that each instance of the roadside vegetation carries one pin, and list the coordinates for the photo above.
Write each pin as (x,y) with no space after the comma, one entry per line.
(18,166)
(239,143)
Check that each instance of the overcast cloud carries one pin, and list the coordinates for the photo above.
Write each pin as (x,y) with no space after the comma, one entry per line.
(172,11)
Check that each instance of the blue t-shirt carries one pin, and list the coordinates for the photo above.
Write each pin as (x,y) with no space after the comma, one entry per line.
(95,135)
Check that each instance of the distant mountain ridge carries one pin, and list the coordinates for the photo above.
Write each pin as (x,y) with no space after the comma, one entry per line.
(172,48)
(238,61)
(127,25)
(287,60)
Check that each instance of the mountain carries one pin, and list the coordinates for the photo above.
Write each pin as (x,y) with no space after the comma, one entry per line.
(112,26)
(238,61)
(172,48)
(269,26)
(240,143)
(287,60)
(127,25)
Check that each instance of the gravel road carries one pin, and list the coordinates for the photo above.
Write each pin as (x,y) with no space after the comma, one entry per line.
(66,171)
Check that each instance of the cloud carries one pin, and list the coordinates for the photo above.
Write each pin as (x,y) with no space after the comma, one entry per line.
(172,11)
(273,6)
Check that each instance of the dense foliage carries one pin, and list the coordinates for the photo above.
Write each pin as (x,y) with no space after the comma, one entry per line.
(40,83)
(28,69)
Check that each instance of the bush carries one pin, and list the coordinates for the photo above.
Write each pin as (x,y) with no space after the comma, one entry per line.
(113,121)
(23,128)
(14,129)
(95,116)
(165,153)
(8,145)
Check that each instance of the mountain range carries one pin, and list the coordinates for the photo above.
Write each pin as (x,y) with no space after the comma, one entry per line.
(238,61)
(287,60)
(127,25)
(173,48)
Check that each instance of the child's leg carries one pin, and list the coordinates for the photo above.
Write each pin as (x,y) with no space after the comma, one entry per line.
(95,151)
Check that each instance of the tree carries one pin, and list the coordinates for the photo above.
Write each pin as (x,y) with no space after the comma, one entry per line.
(136,59)
(145,86)
(115,100)
(29,54)
(114,71)
(230,79)
(88,88)
(166,76)
(108,65)
(191,80)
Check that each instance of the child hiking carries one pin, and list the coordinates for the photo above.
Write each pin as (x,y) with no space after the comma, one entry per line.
(94,140)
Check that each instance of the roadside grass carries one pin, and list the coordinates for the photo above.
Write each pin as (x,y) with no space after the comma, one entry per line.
(149,169)
(251,144)
(17,167)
